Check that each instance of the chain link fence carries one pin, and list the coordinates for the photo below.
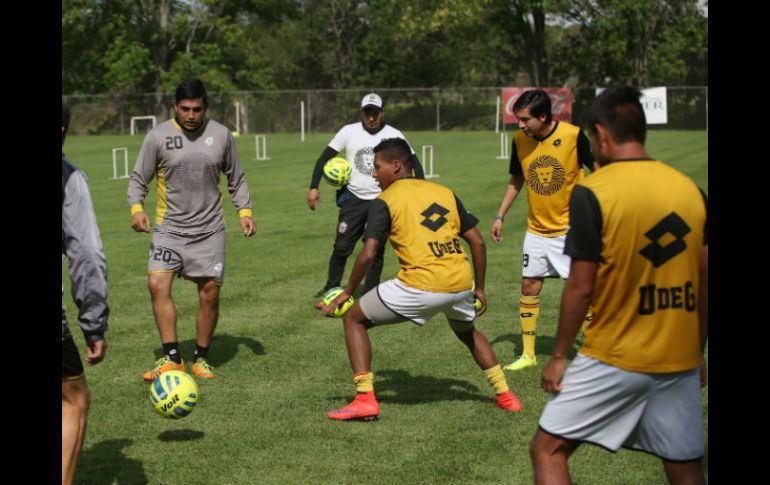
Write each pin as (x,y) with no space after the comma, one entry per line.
(326,110)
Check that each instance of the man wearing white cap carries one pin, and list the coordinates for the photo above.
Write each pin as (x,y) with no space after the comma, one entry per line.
(358,141)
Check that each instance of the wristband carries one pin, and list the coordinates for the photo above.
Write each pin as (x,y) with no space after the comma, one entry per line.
(499,218)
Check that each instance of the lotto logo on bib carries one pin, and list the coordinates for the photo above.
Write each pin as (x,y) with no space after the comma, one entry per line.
(218,267)
(545,175)
(364,161)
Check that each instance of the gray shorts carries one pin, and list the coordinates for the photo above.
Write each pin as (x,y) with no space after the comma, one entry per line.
(393,302)
(601,404)
(194,256)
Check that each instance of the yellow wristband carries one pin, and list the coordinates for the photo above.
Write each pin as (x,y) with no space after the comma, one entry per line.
(246,212)
(136,208)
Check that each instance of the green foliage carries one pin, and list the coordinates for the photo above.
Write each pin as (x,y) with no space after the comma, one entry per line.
(641,43)
(306,44)
(128,66)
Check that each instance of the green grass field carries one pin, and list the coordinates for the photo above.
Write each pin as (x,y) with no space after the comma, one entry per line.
(281,366)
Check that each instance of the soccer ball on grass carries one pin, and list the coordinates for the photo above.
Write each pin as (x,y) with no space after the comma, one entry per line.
(174,394)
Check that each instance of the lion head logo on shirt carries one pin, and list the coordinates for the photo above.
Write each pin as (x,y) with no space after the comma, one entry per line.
(545,175)
(195,170)
(364,161)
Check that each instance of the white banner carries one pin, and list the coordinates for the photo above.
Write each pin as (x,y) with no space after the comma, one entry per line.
(654,103)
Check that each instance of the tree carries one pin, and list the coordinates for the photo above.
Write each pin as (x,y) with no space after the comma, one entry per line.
(147,46)
(522,25)
(640,43)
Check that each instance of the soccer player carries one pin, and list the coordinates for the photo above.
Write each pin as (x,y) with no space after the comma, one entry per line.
(186,155)
(638,240)
(424,222)
(82,245)
(357,139)
(549,156)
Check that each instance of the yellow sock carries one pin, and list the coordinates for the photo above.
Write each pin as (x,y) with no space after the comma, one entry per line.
(496,379)
(588,318)
(364,382)
(529,309)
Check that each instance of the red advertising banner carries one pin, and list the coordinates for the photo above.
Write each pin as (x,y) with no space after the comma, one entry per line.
(561,103)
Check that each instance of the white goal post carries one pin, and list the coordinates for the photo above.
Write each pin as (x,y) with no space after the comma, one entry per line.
(134,119)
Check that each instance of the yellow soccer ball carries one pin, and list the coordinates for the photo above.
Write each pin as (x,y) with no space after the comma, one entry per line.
(337,172)
(174,394)
(329,297)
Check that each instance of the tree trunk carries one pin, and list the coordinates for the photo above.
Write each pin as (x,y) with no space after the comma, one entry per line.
(540,60)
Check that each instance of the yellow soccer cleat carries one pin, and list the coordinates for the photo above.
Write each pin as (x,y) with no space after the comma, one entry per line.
(522,363)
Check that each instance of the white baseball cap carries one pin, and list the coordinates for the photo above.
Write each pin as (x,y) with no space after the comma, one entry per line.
(371,100)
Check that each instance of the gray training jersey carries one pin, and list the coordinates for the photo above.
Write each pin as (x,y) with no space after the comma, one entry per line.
(81,244)
(187,167)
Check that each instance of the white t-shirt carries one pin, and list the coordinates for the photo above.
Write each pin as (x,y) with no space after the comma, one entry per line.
(359,145)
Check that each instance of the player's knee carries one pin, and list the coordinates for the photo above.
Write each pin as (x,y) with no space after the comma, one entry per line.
(77,395)
(157,286)
(355,316)
(535,447)
(544,445)
(85,401)
(209,294)
(538,446)
(531,287)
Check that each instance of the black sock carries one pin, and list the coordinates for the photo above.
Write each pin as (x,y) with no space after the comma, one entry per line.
(201,352)
(172,350)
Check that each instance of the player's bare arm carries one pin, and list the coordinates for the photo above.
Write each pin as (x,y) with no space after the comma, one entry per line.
(511,192)
(574,305)
(95,351)
(140,222)
(361,266)
(248,225)
(313,198)
(703,310)
(479,258)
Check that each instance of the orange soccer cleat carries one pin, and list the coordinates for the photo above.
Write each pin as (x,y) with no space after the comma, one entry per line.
(164,364)
(509,402)
(202,369)
(364,408)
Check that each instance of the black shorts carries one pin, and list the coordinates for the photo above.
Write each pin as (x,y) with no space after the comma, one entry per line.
(71,366)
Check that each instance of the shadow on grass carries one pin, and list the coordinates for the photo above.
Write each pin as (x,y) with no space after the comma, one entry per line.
(399,386)
(105,463)
(223,348)
(543,344)
(181,435)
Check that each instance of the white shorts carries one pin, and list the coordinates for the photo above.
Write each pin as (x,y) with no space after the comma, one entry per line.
(393,302)
(543,257)
(601,404)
